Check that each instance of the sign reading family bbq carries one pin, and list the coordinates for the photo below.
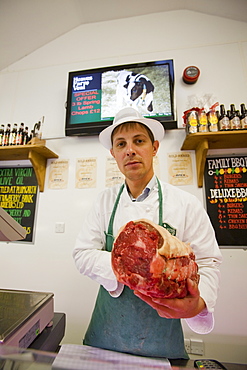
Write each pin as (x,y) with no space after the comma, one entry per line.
(226,198)
(18,194)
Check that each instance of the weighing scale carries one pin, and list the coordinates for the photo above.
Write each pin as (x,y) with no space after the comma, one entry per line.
(23,316)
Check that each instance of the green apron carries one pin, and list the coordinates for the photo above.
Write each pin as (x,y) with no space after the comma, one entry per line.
(128,324)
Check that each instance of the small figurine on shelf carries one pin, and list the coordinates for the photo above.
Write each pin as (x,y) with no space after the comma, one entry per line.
(36,132)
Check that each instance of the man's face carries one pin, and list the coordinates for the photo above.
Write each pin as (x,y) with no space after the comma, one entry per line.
(134,151)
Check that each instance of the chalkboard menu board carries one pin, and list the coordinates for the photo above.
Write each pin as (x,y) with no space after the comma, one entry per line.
(18,195)
(226,199)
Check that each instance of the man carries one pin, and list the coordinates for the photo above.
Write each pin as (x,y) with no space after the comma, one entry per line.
(128,321)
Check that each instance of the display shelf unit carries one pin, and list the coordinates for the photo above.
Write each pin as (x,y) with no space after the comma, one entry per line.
(201,142)
(36,152)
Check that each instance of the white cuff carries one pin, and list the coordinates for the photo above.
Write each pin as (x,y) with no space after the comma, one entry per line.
(103,272)
(203,323)
(116,293)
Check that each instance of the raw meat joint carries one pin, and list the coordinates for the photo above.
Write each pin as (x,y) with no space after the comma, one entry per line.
(147,258)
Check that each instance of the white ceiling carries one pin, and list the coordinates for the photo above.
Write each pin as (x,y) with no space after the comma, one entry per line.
(27,25)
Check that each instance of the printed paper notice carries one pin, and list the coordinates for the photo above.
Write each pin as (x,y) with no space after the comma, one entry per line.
(113,175)
(58,176)
(86,172)
(180,168)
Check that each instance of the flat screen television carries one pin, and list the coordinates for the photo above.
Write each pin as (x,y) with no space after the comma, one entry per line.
(94,96)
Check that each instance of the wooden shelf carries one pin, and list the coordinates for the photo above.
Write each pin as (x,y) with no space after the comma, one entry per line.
(37,153)
(201,142)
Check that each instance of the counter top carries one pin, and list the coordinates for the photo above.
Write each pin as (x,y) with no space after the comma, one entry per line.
(189,364)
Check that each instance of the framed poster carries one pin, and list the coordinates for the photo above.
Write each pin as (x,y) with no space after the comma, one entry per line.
(226,199)
(18,196)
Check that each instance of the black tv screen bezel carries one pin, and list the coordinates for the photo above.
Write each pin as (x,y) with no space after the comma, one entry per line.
(94,128)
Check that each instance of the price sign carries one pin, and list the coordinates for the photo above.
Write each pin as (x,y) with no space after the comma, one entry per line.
(226,198)
(18,195)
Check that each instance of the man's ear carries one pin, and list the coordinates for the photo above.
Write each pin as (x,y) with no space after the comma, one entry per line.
(111,151)
(155,147)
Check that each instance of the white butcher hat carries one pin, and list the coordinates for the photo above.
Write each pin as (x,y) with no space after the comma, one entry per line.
(129,114)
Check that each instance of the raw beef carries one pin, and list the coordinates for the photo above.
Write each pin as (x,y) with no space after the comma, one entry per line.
(147,258)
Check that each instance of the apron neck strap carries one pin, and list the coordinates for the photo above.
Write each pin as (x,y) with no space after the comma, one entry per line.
(109,234)
(160,202)
(110,226)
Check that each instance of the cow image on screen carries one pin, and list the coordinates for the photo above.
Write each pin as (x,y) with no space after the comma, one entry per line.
(134,89)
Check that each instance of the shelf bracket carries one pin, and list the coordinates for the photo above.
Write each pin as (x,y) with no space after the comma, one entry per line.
(201,154)
(201,142)
(39,165)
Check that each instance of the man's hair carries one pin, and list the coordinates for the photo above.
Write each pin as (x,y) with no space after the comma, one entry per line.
(130,125)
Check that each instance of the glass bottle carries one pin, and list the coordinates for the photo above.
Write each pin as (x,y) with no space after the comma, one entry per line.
(7,135)
(192,122)
(202,121)
(13,135)
(234,118)
(243,117)
(224,123)
(25,136)
(212,120)
(20,134)
(2,135)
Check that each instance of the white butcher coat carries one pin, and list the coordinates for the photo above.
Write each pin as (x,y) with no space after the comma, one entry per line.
(181,210)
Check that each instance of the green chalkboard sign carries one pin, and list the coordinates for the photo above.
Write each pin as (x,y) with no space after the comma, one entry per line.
(18,196)
(226,199)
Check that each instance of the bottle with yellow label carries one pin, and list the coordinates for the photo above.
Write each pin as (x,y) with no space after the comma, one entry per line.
(192,122)
(202,121)
(212,120)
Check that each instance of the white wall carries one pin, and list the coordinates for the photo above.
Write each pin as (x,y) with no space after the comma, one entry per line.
(36,86)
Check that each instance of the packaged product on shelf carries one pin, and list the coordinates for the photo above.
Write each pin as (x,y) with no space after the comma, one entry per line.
(20,134)
(2,135)
(202,121)
(25,136)
(213,118)
(224,122)
(243,117)
(7,134)
(190,118)
(13,135)
(234,118)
